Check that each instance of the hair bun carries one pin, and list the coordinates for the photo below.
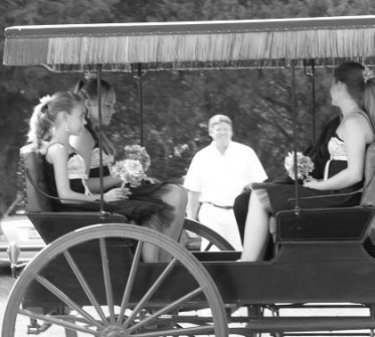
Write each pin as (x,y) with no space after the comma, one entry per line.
(89,76)
(45,99)
(367,73)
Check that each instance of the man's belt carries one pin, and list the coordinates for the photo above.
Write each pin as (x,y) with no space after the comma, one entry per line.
(218,206)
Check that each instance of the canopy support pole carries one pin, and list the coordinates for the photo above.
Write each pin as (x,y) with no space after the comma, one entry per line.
(294,111)
(313,99)
(313,105)
(100,119)
(137,74)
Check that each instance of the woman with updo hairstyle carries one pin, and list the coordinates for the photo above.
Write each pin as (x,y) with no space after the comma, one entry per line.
(87,144)
(45,114)
(352,91)
(54,121)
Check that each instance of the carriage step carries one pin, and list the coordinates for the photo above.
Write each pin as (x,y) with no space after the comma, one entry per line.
(291,324)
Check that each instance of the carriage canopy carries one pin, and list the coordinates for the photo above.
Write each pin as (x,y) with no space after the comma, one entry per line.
(192,45)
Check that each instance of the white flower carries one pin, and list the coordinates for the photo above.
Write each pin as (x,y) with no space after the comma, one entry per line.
(367,73)
(45,99)
(132,169)
(139,153)
(129,170)
(304,166)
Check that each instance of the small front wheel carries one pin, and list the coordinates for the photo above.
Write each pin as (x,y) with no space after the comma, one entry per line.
(214,239)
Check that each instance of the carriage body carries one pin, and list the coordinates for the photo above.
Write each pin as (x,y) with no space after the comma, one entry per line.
(320,256)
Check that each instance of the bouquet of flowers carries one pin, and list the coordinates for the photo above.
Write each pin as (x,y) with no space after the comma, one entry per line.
(304,166)
(139,153)
(132,169)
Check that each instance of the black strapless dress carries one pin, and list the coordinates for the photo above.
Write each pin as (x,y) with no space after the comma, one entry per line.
(140,207)
(282,195)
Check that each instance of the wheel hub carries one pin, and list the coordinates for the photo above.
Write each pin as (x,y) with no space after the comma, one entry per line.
(113,331)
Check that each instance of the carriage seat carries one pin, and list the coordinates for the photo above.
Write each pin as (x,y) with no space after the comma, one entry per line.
(35,186)
(39,206)
(333,224)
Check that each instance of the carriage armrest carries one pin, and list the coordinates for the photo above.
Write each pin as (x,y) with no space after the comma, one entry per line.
(324,224)
(52,225)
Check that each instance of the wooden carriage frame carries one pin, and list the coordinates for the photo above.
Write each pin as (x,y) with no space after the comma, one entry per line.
(315,248)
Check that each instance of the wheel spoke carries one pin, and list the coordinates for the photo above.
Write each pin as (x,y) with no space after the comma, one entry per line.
(166,309)
(107,280)
(130,282)
(59,322)
(67,300)
(198,330)
(150,292)
(136,319)
(209,246)
(86,288)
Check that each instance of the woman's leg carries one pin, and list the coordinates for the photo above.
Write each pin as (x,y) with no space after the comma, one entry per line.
(256,230)
(176,197)
(240,209)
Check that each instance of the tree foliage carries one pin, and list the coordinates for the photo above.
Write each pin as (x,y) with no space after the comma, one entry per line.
(177,105)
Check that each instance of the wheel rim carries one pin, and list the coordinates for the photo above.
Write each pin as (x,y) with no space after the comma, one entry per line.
(144,318)
(214,239)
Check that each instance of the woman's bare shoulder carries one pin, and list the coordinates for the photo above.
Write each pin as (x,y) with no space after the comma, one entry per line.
(358,124)
(83,142)
(356,120)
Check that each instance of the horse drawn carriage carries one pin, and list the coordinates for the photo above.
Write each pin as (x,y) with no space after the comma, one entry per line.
(91,281)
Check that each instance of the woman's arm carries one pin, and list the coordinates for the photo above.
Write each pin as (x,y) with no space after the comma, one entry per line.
(108,182)
(354,132)
(58,156)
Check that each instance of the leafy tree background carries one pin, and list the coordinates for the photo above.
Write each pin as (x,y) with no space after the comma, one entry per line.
(177,105)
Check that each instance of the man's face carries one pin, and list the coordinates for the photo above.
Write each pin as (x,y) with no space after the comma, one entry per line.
(221,133)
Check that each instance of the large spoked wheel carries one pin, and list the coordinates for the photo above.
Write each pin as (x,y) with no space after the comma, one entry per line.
(128,298)
(214,239)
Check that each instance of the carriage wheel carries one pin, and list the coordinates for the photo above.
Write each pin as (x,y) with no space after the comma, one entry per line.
(119,316)
(214,239)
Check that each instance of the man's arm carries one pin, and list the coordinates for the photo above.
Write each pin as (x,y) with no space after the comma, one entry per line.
(192,205)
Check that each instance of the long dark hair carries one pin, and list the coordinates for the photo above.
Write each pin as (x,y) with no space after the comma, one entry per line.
(360,83)
(351,73)
(87,88)
(369,99)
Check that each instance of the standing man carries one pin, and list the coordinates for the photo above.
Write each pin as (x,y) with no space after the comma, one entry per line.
(216,176)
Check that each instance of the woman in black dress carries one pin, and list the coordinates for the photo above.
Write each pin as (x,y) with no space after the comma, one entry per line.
(170,219)
(342,181)
(318,152)
(54,121)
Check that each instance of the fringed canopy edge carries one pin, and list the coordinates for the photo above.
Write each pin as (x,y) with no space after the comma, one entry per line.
(194,45)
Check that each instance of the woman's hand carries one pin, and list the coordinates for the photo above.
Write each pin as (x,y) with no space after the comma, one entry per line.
(312,183)
(117,194)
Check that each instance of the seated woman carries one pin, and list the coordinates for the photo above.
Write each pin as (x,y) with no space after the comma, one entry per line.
(87,145)
(343,179)
(319,155)
(53,122)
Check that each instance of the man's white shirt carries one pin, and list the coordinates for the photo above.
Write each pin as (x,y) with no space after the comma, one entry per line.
(220,178)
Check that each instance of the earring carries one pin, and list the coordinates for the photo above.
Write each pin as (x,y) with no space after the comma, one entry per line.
(66,126)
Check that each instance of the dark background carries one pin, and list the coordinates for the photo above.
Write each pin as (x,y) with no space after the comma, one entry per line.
(177,105)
